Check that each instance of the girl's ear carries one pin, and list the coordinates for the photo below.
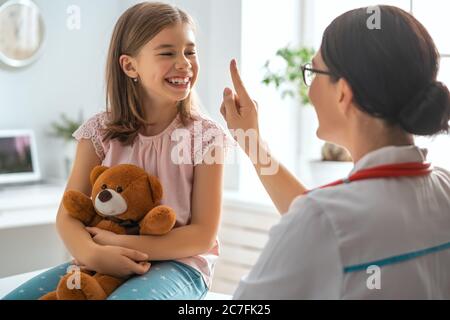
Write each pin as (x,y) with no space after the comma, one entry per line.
(155,189)
(345,96)
(96,172)
(128,65)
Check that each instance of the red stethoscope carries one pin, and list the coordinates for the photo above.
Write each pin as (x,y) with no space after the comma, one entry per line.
(408,169)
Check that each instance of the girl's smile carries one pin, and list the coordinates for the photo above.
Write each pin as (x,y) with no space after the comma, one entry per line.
(180,82)
(167,65)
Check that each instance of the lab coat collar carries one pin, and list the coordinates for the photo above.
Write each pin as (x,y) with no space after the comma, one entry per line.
(391,155)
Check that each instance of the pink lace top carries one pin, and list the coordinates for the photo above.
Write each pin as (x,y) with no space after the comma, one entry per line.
(171,156)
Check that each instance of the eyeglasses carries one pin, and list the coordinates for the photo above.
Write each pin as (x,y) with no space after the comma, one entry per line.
(309,73)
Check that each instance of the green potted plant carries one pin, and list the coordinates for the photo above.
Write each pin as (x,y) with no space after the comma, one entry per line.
(288,80)
(63,129)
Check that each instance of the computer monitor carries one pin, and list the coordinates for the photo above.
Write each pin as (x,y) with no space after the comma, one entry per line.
(18,157)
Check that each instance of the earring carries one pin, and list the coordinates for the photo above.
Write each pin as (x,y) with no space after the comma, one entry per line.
(135,80)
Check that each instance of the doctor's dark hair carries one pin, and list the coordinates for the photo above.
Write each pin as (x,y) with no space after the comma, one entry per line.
(392,71)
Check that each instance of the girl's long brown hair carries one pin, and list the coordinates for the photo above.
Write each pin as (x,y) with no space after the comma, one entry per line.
(135,28)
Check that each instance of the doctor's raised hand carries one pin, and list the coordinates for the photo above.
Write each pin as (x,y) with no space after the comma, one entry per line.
(238,109)
(241,114)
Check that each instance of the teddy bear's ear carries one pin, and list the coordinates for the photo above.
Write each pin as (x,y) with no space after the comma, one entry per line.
(96,172)
(155,188)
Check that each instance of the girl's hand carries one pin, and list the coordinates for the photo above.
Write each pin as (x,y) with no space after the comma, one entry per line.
(78,264)
(103,237)
(239,110)
(117,261)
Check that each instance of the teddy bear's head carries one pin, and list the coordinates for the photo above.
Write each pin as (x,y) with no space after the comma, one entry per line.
(125,191)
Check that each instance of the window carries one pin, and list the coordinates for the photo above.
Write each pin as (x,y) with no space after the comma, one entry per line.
(433,14)
(266,27)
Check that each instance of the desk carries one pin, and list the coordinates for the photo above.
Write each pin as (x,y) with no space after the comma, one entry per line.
(28,237)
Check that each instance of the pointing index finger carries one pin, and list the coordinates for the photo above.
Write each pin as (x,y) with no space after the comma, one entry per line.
(237,82)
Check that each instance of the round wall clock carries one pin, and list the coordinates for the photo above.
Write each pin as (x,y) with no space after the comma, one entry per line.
(21,32)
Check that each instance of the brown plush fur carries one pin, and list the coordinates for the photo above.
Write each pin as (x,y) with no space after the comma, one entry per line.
(142,194)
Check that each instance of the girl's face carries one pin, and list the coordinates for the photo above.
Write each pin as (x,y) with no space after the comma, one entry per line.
(325,97)
(167,65)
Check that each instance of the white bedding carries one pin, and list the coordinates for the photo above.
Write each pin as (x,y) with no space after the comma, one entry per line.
(10,283)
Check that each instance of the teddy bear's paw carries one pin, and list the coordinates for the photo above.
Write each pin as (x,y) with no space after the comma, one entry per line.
(79,286)
(108,283)
(79,206)
(158,221)
(74,200)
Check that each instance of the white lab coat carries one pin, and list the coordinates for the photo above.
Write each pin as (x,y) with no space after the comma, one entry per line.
(402,224)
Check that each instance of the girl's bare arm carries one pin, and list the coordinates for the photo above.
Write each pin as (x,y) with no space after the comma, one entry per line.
(77,240)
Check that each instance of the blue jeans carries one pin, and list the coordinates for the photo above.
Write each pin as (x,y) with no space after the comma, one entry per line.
(166,280)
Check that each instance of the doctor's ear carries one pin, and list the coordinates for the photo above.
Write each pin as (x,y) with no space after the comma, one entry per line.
(344,96)
(129,66)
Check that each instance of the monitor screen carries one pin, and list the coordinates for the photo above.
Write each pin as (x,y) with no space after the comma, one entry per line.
(15,155)
(18,157)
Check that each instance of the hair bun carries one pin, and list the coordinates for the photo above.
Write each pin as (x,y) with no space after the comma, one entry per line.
(428,113)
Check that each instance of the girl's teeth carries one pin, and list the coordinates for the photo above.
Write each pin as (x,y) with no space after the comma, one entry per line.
(179,81)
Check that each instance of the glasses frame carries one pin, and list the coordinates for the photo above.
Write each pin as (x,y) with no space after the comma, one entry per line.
(308,67)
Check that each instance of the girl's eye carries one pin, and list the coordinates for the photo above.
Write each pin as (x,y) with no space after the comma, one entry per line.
(168,54)
(119,189)
(104,187)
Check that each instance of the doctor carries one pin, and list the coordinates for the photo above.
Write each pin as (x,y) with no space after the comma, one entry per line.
(384,232)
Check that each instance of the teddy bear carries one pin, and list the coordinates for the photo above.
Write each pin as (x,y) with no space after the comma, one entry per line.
(125,199)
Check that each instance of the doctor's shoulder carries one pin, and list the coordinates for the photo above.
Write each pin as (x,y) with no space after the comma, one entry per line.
(442,173)
(303,207)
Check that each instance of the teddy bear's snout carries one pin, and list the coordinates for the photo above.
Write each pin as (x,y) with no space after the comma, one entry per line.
(110,203)
(105,196)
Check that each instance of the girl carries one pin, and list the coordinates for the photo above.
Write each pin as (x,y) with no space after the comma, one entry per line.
(151,71)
